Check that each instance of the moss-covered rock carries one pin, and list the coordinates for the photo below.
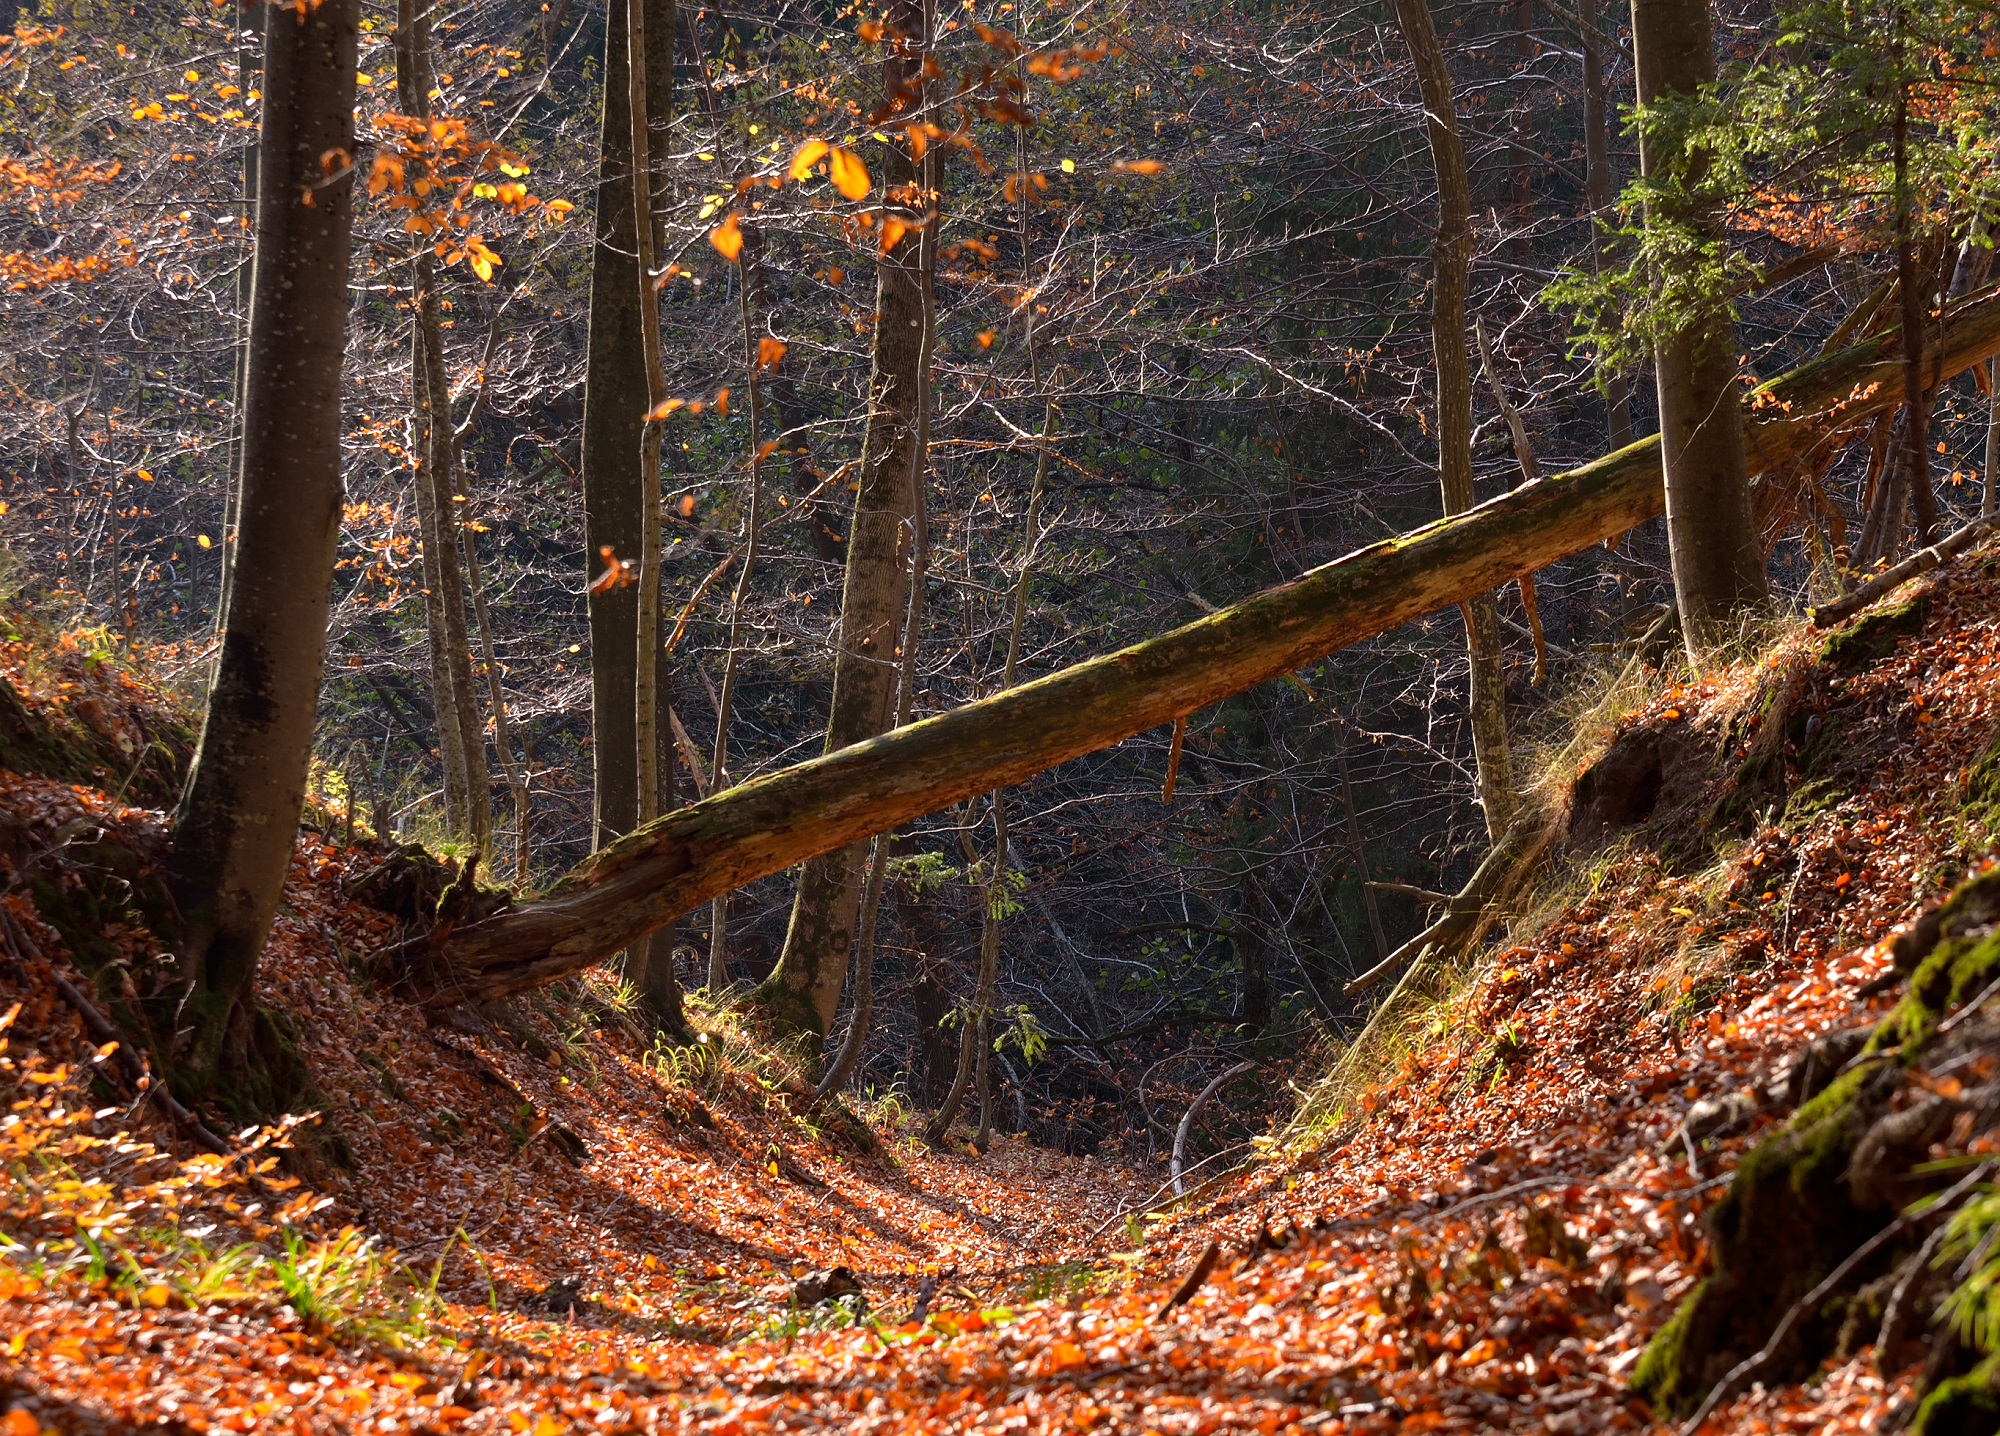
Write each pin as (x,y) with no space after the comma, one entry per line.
(1871,639)
(1963,958)
(1788,1220)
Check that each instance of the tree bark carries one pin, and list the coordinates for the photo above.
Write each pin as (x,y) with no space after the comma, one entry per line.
(762,827)
(1718,562)
(614,408)
(460,736)
(234,830)
(649,965)
(804,990)
(460,729)
(1916,399)
(1599,183)
(1452,264)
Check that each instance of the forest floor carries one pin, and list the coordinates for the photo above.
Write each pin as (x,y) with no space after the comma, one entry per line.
(535,1220)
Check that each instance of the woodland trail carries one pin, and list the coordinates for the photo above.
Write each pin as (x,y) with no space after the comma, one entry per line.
(1482,1238)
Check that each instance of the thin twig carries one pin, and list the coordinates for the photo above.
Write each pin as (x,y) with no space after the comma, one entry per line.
(1210,1254)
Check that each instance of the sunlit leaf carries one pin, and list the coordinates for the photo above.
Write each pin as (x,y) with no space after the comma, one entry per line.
(849,174)
(727,238)
(806,156)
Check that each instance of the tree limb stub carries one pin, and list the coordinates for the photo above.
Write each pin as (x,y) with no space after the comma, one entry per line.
(688,857)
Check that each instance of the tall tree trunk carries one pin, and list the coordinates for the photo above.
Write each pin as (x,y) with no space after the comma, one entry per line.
(1712,537)
(461,734)
(849,1057)
(1914,288)
(1599,185)
(1452,264)
(804,989)
(233,833)
(614,408)
(650,965)
(458,701)
(617,396)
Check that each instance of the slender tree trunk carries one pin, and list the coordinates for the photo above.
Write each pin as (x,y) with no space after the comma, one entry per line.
(1599,185)
(615,401)
(1452,265)
(234,830)
(804,989)
(1916,399)
(979,1020)
(459,721)
(461,734)
(849,1056)
(1989,488)
(650,965)
(503,742)
(617,397)
(750,294)
(1712,537)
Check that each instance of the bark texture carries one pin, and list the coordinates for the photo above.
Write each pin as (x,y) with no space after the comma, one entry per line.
(1711,533)
(460,733)
(691,856)
(614,409)
(233,834)
(1451,267)
(803,992)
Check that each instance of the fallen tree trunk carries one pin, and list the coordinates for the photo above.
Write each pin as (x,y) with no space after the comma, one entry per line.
(688,857)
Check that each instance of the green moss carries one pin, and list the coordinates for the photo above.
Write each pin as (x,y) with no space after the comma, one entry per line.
(1981,793)
(1812,798)
(1788,1220)
(1957,970)
(1967,1405)
(1875,637)
(1658,1376)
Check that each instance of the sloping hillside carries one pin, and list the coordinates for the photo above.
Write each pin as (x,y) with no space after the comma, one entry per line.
(531,1219)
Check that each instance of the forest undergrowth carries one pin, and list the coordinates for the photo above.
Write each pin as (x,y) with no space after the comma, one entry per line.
(531,1217)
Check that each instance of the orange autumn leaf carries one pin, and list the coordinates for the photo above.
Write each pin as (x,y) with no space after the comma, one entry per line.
(893,230)
(848,174)
(986,338)
(1137,167)
(769,352)
(687,505)
(664,408)
(806,156)
(727,238)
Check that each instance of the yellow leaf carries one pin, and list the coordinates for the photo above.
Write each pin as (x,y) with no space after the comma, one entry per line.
(1069,167)
(849,175)
(806,156)
(156,1295)
(727,238)
(204,541)
(558,206)
(774,1169)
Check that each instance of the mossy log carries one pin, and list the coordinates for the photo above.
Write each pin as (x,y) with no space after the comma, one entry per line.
(686,858)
